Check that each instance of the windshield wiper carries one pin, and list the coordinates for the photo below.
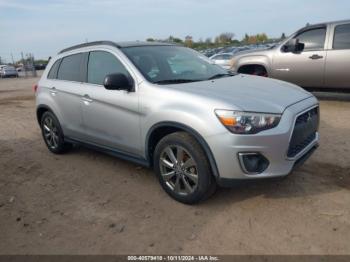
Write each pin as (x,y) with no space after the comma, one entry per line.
(175,81)
(220,75)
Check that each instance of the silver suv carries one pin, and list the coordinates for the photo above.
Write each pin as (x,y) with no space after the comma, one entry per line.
(170,108)
(317,56)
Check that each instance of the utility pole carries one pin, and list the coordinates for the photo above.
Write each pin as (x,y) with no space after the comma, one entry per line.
(33,65)
(13,61)
(24,65)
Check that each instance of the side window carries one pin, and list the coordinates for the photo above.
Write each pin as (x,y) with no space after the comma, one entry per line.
(342,37)
(102,63)
(313,39)
(227,57)
(70,68)
(218,57)
(53,71)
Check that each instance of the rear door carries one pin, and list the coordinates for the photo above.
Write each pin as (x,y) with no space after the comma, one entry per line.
(338,57)
(66,91)
(111,117)
(307,67)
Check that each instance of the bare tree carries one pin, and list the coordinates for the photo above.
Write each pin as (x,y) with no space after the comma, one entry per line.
(208,40)
(226,37)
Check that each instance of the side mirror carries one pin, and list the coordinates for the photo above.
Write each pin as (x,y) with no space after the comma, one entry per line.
(118,82)
(293,46)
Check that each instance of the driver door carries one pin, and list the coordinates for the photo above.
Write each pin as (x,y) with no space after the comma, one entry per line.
(111,117)
(304,68)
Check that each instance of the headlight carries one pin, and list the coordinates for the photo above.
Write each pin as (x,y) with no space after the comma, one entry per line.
(246,122)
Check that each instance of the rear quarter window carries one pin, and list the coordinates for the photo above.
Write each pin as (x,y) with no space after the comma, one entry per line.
(54,69)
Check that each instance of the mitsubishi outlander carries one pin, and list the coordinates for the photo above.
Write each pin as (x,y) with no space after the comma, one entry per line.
(169,107)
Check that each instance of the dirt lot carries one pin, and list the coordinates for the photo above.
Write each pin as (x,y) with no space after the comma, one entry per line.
(90,203)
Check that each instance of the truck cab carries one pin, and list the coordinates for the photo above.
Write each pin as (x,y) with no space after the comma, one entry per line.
(316,56)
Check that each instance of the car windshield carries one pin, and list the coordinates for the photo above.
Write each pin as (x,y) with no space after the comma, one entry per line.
(173,64)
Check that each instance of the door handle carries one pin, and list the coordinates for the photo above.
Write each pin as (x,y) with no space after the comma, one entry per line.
(53,91)
(87,98)
(315,56)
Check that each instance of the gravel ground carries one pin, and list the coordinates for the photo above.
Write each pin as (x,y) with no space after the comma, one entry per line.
(86,202)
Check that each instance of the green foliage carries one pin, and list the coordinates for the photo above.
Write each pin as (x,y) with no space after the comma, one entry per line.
(222,40)
(41,61)
(255,39)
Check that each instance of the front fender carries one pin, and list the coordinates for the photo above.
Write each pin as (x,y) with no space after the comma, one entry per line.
(200,139)
(191,117)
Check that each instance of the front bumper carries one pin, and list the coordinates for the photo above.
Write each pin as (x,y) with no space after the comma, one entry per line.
(272,144)
(230,182)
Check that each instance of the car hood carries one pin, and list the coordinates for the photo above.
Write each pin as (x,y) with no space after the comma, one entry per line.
(248,93)
(254,52)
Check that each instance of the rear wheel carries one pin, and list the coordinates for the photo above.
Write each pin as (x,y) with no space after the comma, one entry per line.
(52,134)
(182,168)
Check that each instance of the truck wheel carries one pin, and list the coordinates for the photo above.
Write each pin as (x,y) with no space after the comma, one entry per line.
(259,71)
(52,134)
(183,169)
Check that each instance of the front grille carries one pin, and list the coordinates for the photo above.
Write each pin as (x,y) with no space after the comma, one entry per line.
(304,131)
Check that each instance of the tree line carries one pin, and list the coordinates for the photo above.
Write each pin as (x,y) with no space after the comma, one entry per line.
(224,39)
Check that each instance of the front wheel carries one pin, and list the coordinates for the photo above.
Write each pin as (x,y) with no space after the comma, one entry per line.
(182,168)
(260,71)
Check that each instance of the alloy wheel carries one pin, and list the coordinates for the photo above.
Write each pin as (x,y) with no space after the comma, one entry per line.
(50,132)
(178,169)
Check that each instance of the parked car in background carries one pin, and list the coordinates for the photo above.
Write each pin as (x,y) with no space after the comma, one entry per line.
(222,59)
(316,56)
(40,66)
(8,71)
(29,67)
(229,49)
(2,66)
(168,107)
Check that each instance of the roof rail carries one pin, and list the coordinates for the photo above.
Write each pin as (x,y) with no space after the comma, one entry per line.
(89,44)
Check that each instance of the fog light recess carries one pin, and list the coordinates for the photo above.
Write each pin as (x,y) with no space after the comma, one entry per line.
(253,163)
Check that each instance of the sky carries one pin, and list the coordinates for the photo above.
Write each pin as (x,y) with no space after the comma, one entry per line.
(44,27)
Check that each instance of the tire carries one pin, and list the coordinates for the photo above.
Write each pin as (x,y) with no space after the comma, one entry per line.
(185,173)
(52,134)
(260,71)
